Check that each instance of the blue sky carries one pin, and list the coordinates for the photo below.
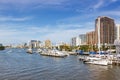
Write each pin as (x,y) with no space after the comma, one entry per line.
(57,20)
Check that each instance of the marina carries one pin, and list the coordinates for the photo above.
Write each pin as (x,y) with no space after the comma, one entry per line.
(59,40)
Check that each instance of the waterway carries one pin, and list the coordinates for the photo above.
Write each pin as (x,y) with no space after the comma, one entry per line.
(16,64)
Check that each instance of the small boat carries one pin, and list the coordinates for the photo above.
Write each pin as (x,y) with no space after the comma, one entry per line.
(29,51)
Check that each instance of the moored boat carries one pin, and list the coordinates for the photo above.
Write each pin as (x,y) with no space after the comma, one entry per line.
(53,53)
(29,51)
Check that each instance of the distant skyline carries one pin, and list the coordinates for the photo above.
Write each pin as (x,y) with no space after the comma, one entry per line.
(57,20)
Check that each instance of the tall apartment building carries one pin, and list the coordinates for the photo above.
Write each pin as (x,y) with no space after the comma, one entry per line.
(107,30)
(90,38)
(82,39)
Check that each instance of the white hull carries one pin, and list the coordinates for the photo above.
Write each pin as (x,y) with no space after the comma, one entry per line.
(101,62)
(54,53)
(98,62)
(29,51)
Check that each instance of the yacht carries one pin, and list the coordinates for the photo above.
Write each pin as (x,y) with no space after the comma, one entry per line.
(53,53)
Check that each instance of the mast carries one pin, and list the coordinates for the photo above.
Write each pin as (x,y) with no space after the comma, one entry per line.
(98,26)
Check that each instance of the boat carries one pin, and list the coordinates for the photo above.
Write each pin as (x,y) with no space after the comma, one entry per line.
(53,53)
(39,50)
(29,51)
(98,59)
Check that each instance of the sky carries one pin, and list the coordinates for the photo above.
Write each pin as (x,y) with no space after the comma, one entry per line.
(57,20)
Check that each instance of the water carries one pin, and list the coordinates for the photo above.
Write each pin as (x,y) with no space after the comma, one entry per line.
(16,64)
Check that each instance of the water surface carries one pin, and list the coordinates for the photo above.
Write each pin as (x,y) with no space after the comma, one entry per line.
(16,64)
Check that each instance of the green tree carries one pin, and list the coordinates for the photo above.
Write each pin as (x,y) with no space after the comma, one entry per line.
(2,47)
(84,48)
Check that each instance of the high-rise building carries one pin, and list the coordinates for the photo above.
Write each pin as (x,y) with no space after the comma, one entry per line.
(117,32)
(90,38)
(48,44)
(82,39)
(106,28)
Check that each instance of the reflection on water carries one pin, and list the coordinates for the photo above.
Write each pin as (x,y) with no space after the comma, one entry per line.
(16,64)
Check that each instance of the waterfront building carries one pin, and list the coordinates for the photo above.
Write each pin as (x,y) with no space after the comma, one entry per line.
(75,41)
(78,40)
(34,44)
(90,38)
(107,30)
(48,44)
(117,32)
(82,39)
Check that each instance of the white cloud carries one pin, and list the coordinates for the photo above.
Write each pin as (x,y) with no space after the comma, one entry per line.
(32,2)
(103,3)
(10,18)
(114,0)
(28,5)
(115,13)
(60,33)
(99,4)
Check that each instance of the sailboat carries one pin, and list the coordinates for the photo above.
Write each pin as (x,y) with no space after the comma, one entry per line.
(99,59)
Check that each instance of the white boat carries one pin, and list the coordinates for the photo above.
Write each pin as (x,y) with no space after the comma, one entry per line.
(97,59)
(39,50)
(29,51)
(53,53)
(65,52)
(103,62)
(59,53)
